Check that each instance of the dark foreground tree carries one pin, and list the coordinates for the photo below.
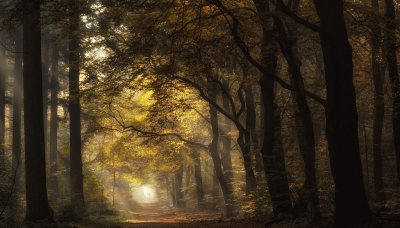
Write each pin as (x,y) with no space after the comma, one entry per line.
(37,207)
(352,208)
(77,198)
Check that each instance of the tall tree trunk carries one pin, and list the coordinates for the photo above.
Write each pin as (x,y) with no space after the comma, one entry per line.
(379,107)
(352,207)
(305,117)
(213,147)
(45,84)
(391,48)
(173,195)
(272,152)
(54,121)
(178,188)
(2,95)
(37,207)
(215,192)
(251,126)
(16,125)
(77,197)
(226,157)
(199,182)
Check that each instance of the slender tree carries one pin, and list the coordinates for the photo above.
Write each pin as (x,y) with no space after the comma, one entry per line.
(272,152)
(53,120)
(213,147)
(16,125)
(199,181)
(379,106)
(2,95)
(45,84)
(391,55)
(304,113)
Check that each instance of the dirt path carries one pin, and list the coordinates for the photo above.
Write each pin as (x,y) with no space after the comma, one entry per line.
(159,212)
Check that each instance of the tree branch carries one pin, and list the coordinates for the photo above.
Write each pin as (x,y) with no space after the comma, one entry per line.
(154,134)
(296,18)
(246,52)
(205,97)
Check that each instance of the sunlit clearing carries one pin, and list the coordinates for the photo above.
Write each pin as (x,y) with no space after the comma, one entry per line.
(144,194)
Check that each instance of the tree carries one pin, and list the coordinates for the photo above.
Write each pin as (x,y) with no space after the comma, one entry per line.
(77,197)
(352,208)
(304,119)
(54,120)
(271,150)
(2,95)
(37,207)
(391,55)
(379,105)
(17,113)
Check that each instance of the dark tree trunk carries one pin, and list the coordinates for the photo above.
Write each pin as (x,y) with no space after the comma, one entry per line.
(352,208)
(307,130)
(178,188)
(2,95)
(213,147)
(54,121)
(77,197)
(391,47)
(379,107)
(271,151)
(199,182)
(45,84)
(216,192)
(37,207)
(16,125)
(251,126)
(226,158)
(173,195)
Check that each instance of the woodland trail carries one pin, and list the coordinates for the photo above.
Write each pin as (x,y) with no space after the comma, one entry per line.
(158,215)
(159,212)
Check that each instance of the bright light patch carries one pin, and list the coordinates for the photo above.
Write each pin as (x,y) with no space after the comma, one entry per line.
(148,192)
(144,194)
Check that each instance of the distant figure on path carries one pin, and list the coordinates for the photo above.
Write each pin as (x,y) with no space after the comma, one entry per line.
(148,195)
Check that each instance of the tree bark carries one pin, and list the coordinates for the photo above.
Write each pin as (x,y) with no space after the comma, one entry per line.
(199,182)
(391,48)
(178,187)
(213,147)
(45,84)
(379,107)
(251,126)
(173,195)
(54,121)
(352,208)
(2,96)
(226,158)
(16,125)
(76,176)
(307,130)
(37,207)
(271,151)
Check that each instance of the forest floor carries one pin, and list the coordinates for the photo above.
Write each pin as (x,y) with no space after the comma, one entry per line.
(158,215)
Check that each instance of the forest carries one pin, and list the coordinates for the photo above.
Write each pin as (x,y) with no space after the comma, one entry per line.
(192,113)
